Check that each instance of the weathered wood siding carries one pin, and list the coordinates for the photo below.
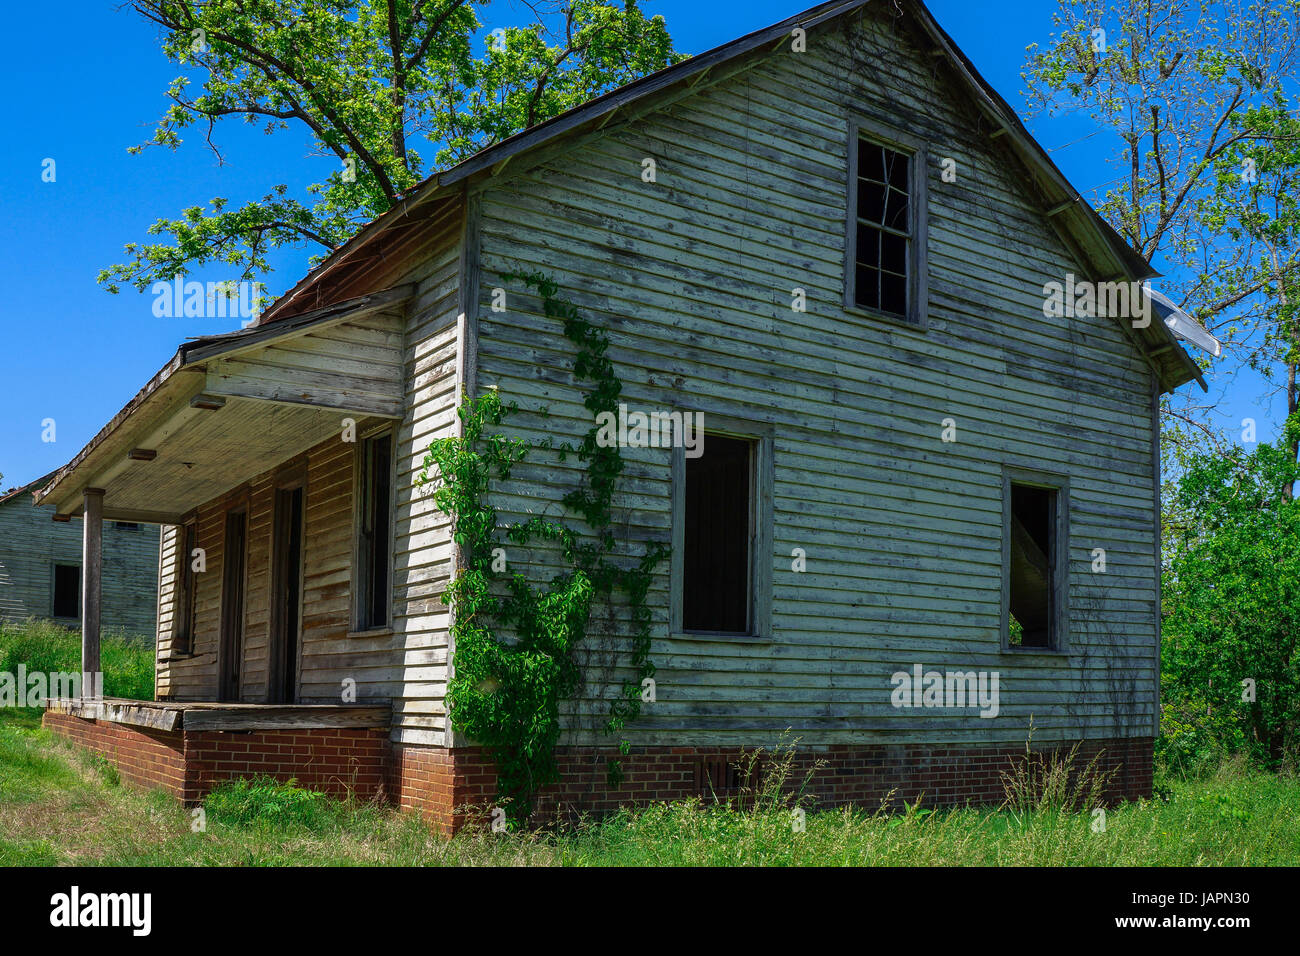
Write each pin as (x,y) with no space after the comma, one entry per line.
(693,276)
(406,664)
(31,544)
(326,655)
(353,364)
(422,535)
(171,544)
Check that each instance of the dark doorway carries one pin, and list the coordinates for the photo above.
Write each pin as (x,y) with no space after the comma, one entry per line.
(232,606)
(286,597)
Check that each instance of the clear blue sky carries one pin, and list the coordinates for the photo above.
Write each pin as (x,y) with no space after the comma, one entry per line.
(76,354)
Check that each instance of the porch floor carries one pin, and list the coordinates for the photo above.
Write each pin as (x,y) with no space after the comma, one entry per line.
(211,715)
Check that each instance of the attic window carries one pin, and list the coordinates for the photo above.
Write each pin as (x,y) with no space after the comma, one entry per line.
(1034,535)
(886,206)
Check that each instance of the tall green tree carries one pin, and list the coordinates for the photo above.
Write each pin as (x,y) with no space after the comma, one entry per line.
(1256,204)
(1232,598)
(390,88)
(1167,82)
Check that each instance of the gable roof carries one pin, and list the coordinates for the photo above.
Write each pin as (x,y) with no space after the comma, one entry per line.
(32,486)
(1067,210)
(309,301)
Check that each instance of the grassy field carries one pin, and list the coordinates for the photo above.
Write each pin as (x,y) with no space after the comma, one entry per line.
(127,660)
(60,805)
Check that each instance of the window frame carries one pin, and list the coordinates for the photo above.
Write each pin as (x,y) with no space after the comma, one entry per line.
(186,588)
(1060,558)
(760,537)
(358,519)
(860,128)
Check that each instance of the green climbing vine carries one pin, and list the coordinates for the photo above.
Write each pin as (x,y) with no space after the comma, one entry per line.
(515,640)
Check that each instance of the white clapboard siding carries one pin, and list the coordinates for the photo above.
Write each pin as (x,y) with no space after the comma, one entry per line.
(422,552)
(403,368)
(693,276)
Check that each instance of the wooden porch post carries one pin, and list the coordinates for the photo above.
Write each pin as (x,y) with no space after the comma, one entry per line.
(92,564)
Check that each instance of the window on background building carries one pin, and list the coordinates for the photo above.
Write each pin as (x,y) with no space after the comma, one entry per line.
(67,591)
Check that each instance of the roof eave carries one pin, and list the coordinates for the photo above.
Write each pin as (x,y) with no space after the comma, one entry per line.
(163,375)
(193,355)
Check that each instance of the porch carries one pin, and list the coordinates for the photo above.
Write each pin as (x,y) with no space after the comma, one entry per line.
(187,749)
(242,448)
(206,715)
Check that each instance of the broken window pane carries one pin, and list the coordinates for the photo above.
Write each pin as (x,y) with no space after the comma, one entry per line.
(883,229)
(1033,565)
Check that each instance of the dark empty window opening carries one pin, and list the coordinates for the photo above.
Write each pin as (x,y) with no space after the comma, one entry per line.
(374,499)
(717,556)
(1032,574)
(186,586)
(126,525)
(67,590)
(882,258)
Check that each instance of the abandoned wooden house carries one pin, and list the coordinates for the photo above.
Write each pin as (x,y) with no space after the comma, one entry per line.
(40,567)
(833,240)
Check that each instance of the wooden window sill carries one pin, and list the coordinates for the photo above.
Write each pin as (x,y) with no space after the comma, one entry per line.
(915,323)
(720,636)
(1048,651)
(385,631)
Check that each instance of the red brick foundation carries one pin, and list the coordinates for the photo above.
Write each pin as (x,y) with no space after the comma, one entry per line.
(446,787)
(188,764)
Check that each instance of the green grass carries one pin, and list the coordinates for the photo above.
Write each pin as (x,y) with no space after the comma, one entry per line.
(127,660)
(60,805)
(57,806)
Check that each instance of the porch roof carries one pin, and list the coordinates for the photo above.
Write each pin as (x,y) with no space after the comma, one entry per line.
(227,407)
